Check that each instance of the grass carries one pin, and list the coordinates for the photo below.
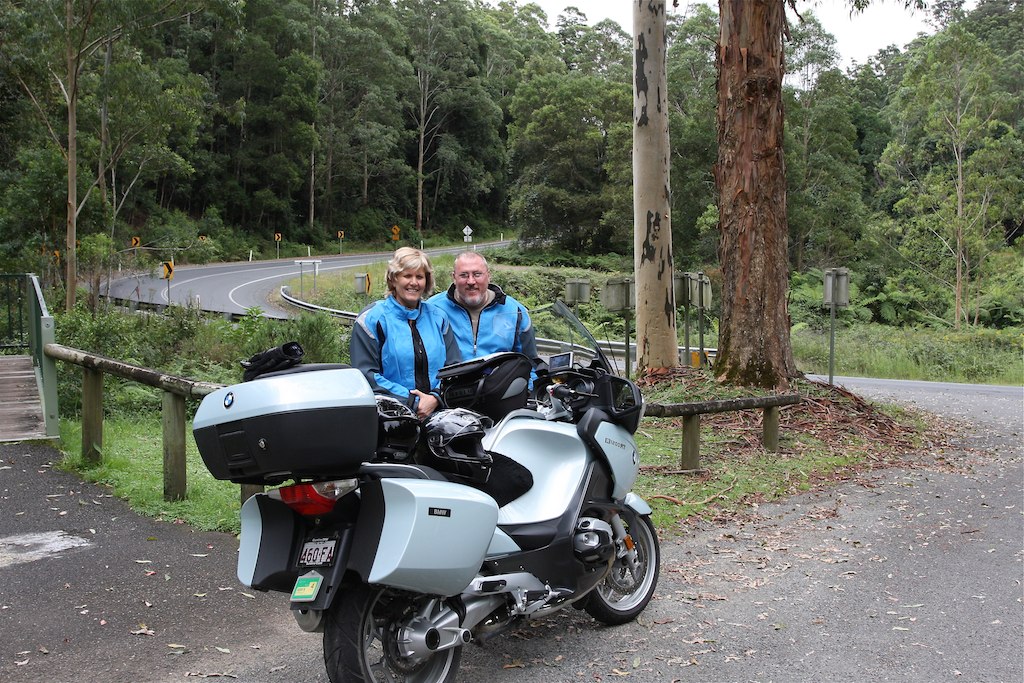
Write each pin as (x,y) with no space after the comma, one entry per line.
(132,466)
(736,471)
(975,356)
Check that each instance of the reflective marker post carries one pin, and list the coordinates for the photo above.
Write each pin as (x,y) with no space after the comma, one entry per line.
(836,294)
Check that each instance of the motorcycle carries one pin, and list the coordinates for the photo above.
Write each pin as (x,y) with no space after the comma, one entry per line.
(404,541)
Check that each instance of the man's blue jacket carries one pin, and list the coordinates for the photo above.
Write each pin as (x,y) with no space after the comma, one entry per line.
(504,325)
(384,350)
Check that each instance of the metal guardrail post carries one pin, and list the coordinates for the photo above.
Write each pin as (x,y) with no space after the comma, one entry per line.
(41,333)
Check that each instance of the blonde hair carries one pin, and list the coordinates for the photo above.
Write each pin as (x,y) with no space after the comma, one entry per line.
(409,258)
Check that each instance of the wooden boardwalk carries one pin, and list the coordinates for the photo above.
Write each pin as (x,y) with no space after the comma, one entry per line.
(21,410)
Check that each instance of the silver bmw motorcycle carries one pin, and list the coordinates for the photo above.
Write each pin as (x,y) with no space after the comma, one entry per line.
(404,541)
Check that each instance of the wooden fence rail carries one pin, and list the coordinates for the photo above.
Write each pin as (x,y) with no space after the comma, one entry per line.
(691,412)
(176,390)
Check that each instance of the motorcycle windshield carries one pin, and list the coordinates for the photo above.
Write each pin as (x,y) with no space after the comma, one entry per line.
(559,332)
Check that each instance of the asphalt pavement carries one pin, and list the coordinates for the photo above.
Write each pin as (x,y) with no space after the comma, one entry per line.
(907,574)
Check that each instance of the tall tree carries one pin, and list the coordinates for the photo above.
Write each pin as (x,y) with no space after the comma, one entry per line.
(652,222)
(956,144)
(753,345)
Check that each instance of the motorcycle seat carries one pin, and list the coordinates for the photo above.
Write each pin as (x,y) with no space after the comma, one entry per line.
(390,470)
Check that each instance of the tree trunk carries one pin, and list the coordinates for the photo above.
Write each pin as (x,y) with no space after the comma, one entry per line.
(652,226)
(71,235)
(754,346)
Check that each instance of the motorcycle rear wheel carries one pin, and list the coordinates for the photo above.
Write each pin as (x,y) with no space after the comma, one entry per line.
(360,632)
(623,595)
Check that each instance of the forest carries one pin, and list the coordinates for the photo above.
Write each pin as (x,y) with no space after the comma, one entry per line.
(205,128)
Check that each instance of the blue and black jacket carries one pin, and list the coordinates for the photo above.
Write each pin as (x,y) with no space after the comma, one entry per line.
(504,325)
(398,349)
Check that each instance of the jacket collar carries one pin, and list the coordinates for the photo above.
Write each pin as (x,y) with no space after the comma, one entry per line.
(401,311)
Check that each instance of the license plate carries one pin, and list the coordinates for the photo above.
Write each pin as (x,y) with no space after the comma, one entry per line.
(318,552)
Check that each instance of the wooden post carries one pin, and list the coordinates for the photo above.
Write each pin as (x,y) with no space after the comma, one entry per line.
(770,429)
(690,459)
(92,416)
(174,446)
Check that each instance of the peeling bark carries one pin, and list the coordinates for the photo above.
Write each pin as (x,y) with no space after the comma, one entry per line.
(754,346)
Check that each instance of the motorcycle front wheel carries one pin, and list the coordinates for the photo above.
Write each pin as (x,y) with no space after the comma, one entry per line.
(627,589)
(361,640)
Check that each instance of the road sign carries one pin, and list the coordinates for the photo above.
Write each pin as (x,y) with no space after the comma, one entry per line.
(395,232)
(277,237)
(136,242)
(467,231)
(341,234)
(168,268)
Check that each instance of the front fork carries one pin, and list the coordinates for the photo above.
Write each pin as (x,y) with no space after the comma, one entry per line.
(625,550)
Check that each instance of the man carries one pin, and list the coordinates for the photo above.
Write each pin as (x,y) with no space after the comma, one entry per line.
(485,319)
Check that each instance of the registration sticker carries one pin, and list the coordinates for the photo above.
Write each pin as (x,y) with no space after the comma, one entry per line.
(307,587)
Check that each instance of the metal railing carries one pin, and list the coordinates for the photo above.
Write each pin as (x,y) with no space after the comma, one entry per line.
(13,329)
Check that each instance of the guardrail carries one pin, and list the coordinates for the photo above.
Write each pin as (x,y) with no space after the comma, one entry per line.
(41,331)
(691,412)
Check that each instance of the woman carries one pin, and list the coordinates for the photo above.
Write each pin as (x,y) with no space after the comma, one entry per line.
(400,342)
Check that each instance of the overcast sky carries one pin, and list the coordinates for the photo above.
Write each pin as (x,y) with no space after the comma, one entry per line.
(884,23)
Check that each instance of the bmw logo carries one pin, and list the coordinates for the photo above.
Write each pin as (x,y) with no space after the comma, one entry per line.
(229,399)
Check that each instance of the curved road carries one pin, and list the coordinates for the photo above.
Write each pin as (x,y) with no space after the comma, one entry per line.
(234,288)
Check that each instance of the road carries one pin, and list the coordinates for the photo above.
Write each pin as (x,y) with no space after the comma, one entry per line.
(234,288)
(907,574)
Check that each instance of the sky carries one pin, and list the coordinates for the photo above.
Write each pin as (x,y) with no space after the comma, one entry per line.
(884,23)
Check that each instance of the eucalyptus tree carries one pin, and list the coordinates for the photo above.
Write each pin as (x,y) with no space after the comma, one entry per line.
(753,345)
(52,48)
(454,118)
(512,35)
(273,80)
(957,156)
(652,217)
(360,122)
(563,126)
(754,340)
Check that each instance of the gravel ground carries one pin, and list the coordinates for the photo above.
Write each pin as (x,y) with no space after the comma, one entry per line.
(907,574)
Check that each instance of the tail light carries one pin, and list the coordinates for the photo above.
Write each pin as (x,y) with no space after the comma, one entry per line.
(316,499)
